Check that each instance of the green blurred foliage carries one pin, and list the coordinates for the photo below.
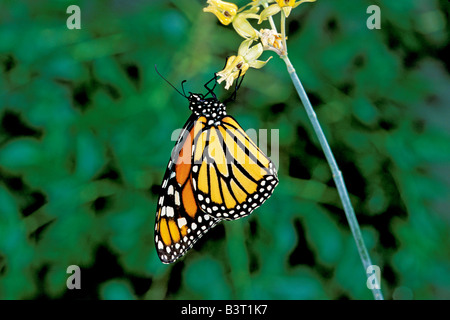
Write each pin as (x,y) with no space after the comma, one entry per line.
(86,136)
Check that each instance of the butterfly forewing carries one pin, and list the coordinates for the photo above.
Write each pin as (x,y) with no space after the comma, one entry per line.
(179,221)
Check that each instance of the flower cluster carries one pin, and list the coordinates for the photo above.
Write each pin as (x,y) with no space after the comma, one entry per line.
(266,39)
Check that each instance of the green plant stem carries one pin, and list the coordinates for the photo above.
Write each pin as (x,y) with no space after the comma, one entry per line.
(337,175)
(283,33)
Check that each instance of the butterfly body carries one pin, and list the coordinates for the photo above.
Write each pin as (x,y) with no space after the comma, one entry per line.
(211,108)
(216,172)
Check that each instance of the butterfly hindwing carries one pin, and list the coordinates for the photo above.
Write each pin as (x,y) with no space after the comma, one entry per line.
(231,175)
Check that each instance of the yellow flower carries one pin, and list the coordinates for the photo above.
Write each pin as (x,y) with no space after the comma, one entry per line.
(224,11)
(237,65)
(242,26)
(271,40)
(285,5)
(260,2)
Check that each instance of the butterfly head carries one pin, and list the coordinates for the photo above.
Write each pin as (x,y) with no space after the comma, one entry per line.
(211,108)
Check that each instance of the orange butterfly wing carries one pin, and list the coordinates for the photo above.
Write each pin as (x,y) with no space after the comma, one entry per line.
(231,175)
(179,221)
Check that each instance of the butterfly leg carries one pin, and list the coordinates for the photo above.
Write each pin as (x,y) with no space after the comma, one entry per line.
(236,88)
(211,90)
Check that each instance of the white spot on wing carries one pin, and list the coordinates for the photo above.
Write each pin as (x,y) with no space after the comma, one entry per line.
(170,212)
(181,222)
(177,198)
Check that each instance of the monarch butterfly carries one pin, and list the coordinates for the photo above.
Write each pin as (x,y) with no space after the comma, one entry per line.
(216,173)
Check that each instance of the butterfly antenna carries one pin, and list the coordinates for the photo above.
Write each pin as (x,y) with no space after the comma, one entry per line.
(182,87)
(183,94)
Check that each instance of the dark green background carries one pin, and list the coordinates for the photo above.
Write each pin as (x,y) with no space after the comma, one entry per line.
(86,137)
